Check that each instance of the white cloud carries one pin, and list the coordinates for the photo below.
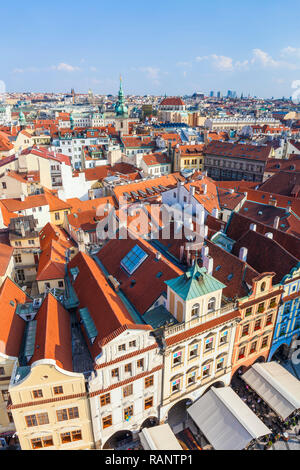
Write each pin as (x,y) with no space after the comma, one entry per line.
(152,73)
(62,67)
(264,59)
(290,51)
(222,62)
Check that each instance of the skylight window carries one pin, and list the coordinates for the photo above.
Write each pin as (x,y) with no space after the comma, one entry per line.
(230,277)
(133,259)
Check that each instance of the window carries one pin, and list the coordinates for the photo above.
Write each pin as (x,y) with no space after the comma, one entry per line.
(105,399)
(107,421)
(248,311)
(71,436)
(272,303)
(195,310)
(140,363)
(241,353)
(149,381)
(115,373)
(191,378)
(257,325)
(122,347)
(2,372)
(220,363)
(5,395)
(4,186)
(209,344)
(253,347)
(67,413)
(57,216)
(39,443)
(223,337)
(177,358)
(269,320)
(128,413)
(18,258)
(175,386)
(261,307)
(265,342)
(211,304)
(132,344)
(31,242)
(245,330)
(263,287)
(60,283)
(37,420)
(205,371)
(193,351)
(148,403)
(128,369)
(37,394)
(128,390)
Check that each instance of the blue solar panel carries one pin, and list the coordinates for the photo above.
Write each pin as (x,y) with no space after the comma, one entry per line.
(133,259)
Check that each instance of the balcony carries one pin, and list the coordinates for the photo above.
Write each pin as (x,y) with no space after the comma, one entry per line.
(175,329)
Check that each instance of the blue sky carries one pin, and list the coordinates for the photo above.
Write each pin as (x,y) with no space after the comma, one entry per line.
(173,47)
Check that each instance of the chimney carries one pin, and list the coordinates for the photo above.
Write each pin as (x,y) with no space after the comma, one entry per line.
(192,190)
(158,255)
(215,213)
(208,263)
(269,235)
(22,197)
(22,228)
(204,187)
(276,222)
(181,252)
(273,202)
(243,254)
(204,251)
(253,227)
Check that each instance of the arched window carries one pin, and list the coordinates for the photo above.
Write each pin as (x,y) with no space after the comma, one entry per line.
(263,286)
(195,310)
(211,304)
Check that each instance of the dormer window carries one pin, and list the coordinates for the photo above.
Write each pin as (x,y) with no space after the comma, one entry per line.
(195,311)
(211,304)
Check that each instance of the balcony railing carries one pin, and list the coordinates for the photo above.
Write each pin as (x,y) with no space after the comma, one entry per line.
(175,329)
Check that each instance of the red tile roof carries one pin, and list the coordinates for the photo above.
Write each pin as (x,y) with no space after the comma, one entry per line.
(53,334)
(5,257)
(140,295)
(93,290)
(172,101)
(231,150)
(52,262)
(11,325)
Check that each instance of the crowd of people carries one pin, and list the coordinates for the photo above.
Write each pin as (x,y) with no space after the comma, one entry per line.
(280,428)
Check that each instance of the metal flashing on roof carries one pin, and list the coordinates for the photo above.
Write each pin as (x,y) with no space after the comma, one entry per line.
(88,323)
(29,339)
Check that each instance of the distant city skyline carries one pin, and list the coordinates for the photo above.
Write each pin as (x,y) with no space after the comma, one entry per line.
(162,47)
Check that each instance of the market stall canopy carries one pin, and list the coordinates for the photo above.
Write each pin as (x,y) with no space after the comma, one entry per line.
(276,386)
(225,420)
(159,438)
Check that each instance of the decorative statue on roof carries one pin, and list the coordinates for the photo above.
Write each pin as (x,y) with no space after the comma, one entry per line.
(120,106)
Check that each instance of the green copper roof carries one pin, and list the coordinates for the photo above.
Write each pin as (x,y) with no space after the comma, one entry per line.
(194,283)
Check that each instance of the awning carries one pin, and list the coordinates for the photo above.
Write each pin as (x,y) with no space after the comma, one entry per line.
(159,438)
(276,386)
(225,420)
